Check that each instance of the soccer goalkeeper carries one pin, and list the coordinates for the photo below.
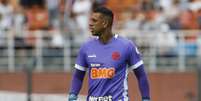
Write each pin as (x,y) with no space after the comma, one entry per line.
(107,57)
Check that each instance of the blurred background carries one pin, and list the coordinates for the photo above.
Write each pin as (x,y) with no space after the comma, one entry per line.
(39,41)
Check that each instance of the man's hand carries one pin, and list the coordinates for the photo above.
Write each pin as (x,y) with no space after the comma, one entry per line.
(72,97)
(146,100)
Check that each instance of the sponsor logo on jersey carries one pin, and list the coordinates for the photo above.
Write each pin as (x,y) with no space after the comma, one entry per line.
(92,56)
(102,98)
(95,65)
(102,73)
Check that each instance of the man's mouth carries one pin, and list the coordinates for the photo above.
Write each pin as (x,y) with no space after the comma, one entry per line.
(91,29)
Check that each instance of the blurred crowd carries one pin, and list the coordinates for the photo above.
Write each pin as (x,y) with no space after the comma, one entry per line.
(163,15)
(65,15)
(72,16)
(69,15)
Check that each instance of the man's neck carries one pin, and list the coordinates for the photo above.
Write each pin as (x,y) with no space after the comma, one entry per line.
(106,36)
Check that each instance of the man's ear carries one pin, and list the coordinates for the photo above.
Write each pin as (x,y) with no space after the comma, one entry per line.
(105,24)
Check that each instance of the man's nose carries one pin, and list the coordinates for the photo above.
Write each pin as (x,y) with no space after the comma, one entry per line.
(90,24)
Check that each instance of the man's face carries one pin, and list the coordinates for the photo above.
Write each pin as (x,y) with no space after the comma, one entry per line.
(96,24)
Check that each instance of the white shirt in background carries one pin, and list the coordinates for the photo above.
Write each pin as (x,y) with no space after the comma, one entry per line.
(6,16)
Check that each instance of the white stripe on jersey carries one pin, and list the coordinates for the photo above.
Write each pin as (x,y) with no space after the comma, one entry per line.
(125,93)
(80,67)
(136,65)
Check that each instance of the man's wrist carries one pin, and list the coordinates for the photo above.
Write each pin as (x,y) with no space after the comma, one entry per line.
(72,97)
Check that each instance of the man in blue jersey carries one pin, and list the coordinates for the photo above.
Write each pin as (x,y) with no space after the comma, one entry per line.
(107,59)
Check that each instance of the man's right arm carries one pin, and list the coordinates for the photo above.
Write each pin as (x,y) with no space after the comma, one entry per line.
(76,84)
(78,74)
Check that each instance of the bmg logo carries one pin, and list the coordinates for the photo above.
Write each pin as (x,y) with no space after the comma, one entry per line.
(102,73)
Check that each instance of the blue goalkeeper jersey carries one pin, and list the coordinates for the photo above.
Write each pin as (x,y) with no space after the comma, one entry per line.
(107,66)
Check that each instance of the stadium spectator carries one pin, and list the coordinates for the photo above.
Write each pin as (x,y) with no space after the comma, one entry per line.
(69,23)
(6,15)
(173,10)
(165,4)
(37,18)
(153,20)
(194,5)
(146,5)
(19,21)
(53,12)
(132,19)
(18,18)
(81,10)
(66,18)
(199,18)
(187,20)
(6,18)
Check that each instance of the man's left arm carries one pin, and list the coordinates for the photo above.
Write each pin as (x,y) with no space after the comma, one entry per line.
(136,64)
(142,82)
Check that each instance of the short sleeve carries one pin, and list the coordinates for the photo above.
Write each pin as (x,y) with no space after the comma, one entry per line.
(81,63)
(134,56)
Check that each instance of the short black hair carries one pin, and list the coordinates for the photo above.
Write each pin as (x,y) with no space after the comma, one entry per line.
(106,12)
